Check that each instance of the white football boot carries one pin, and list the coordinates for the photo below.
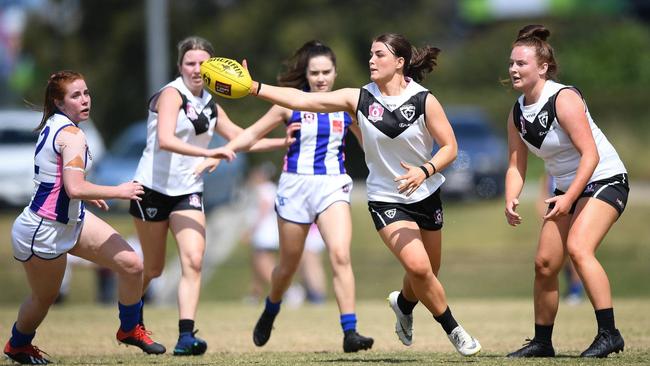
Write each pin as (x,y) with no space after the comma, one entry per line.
(465,344)
(404,323)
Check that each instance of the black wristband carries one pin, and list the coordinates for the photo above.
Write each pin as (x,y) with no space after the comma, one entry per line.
(426,172)
(259,87)
(433,166)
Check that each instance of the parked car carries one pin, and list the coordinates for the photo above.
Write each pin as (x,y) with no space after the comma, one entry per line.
(121,161)
(479,169)
(17,144)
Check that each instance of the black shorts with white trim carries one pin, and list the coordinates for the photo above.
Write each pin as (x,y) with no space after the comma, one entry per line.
(156,206)
(426,213)
(613,190)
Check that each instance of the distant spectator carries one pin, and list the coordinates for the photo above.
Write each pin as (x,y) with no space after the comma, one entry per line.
(264,239)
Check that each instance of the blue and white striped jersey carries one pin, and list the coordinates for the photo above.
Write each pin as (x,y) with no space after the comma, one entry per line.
(318,149)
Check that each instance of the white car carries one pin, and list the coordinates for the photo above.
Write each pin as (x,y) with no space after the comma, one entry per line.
(17,144)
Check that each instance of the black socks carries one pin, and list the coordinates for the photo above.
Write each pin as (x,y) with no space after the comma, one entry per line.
(447,321)
(605,319)
(543,333)
(404,305)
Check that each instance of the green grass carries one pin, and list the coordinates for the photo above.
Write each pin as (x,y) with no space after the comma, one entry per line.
(487,272)
(84,334)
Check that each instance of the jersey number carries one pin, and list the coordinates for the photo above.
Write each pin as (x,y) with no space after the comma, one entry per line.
(39,147)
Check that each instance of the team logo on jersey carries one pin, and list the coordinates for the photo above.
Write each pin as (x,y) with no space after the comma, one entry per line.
(337,126)
(151,212)
(190,112)
(375,112)
(390,213)
(437,216)
(542,117)
(207,112)
(309,117)
(408,111)
(195,201)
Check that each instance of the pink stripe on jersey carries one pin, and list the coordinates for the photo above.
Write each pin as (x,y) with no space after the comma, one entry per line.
(48,209)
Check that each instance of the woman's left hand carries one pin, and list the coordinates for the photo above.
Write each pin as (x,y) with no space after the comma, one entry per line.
(410,181)
(562,206)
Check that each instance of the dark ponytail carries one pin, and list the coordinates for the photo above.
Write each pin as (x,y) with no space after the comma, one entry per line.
(417,61)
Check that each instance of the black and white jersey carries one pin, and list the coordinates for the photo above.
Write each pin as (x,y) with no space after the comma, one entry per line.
(539,128)
(167,172)
(394,129)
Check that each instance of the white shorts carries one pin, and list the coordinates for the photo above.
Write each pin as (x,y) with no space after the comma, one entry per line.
(301,197)
(44,238)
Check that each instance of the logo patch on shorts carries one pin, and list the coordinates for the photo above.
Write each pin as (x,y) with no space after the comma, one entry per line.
(151,212)
(619,202)
(437,217)
(346,188)
(281,200)
(390,213)
(195,201)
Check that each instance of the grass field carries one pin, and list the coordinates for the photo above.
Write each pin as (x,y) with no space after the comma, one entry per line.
(487,272)
(84,334)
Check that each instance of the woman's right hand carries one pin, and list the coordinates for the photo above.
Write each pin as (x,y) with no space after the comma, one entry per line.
(511,214)
(130,191)
(221,153)
(290,137)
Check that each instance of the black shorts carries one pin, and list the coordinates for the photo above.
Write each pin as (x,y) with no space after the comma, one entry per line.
(156,206)
(426,213)
(613,190)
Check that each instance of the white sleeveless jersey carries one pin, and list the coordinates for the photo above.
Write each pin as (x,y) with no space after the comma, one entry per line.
(540,130)
(50,199)
(171,173)
(394,129)
(319,144)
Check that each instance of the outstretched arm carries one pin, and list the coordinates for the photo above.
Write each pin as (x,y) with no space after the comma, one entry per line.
(334,101)
(251,141)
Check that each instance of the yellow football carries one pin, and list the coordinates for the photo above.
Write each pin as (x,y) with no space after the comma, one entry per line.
(226,77)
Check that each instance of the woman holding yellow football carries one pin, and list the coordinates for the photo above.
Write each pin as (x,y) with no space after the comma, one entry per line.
(399,120)
(313,187)
(183,117)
